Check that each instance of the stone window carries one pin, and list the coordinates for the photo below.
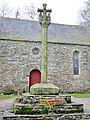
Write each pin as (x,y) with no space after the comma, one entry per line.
(35,51)
(76,62)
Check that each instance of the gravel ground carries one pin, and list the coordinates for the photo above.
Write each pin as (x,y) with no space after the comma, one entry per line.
(84,101)
(7,105)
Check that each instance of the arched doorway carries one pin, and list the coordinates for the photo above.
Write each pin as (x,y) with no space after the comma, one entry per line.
(34,77)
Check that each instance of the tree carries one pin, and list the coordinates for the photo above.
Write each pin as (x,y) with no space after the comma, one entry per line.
(31,11)
(4,9)
(85,13)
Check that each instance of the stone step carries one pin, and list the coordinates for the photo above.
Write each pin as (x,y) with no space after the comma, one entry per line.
(28,98)
(66,108)
(69,108)
(74,116)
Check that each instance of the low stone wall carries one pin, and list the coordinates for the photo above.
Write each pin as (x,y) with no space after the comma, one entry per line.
(49,117)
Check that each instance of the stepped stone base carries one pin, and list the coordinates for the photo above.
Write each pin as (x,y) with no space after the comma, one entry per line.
(44,89)
(55,104)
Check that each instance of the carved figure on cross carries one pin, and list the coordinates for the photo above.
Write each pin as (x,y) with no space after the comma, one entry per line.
(44,15)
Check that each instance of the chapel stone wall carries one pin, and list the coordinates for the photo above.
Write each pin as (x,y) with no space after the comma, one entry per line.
(16,62)
(61,67)
(17,59)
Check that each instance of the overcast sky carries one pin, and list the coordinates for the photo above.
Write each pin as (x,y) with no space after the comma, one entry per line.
(63,11)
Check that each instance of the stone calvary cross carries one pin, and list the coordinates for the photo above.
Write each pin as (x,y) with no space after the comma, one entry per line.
(44,88)
(45,20)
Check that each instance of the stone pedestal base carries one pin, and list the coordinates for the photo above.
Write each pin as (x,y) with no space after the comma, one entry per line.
(44,89)
(46,104)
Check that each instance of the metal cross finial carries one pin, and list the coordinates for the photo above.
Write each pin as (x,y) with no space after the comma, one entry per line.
(44,15)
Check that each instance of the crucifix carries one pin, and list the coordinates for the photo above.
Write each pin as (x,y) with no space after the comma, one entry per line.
(45,20)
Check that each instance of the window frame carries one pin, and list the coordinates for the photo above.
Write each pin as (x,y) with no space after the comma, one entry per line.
(76,63)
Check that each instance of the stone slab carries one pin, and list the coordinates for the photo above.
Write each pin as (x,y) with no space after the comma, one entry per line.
(75,116)
(44,89)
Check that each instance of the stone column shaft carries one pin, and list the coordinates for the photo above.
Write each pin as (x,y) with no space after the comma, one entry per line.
(44,65)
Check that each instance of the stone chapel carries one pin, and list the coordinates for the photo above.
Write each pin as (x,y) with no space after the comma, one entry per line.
(20,55)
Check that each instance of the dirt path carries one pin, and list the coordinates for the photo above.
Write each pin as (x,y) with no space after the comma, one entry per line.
(6,104)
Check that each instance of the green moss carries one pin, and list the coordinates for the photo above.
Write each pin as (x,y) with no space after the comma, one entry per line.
(23,110)
(26,110)
(44,89)
(36,112)
(47,109)
(68,99)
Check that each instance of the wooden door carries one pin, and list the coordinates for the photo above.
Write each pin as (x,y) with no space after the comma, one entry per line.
(34,77)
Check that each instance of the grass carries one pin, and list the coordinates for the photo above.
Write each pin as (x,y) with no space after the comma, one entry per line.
(81,95)
(2,96)
(76,95)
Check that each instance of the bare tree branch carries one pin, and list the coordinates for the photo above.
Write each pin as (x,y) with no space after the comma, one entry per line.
(4,9)
(85,13)
(31,12)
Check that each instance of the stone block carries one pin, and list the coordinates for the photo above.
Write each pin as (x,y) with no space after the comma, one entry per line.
(1,109)
(44,89)
(18,99)
(53,101)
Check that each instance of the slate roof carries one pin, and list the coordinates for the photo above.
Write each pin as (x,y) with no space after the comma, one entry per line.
(11,28)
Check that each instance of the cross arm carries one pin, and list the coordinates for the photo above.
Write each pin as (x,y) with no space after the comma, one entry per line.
(39,10)
(49,10)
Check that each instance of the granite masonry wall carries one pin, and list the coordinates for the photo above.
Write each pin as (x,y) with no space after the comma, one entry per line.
(17,60)
(20,53)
